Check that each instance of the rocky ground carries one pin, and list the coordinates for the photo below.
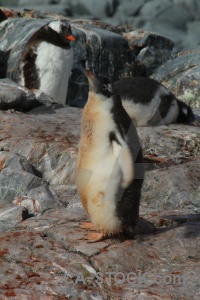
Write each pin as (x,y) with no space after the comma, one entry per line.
(43,251)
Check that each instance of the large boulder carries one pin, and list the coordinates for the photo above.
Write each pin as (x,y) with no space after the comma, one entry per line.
(18,97)
(151,49)
(181,76)
(100,50)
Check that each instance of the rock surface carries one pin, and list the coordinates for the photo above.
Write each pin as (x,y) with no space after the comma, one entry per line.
(100,47)
(181,75)
(16,96)
(151,49)
(174,19)
(46,256)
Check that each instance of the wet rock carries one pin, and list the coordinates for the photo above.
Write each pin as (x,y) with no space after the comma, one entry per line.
(16,96)
(181,75)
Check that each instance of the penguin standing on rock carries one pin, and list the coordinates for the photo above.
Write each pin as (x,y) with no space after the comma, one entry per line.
(110,170)
(149,103)
(47,60)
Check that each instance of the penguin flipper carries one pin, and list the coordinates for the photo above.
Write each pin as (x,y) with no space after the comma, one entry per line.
(125,161)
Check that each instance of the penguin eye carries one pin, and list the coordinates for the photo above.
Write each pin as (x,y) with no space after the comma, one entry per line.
(107,87)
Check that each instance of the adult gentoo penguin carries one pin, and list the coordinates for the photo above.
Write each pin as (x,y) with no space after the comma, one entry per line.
(149,103)
(109,171)
(47,60)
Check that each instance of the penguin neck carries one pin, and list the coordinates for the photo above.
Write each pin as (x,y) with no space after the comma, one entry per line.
(97,101)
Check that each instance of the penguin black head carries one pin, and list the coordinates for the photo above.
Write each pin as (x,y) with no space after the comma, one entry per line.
(57,32)
(100,85)
(185,115)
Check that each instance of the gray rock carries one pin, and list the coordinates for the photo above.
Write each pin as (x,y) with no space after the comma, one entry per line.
(100,50)
(170,145)
(47,252)
(192,38)
(152,9)
(26,3)
(11,215)
(181,75)
(176,15)
(193,6)
(129,8)
(139,39)
(167,30)
(53,245)
(152,58)
(81,7)
(168,18)
(39,9)
(49,142)
(175,188)
(167,12)
(151,49)
(17,180)
(16,96)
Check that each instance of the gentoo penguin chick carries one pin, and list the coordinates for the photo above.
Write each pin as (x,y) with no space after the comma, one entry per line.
(149,103)
(110,171)
(47,60)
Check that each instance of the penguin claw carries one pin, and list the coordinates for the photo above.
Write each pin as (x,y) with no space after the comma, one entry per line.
(87,225)
(95,237)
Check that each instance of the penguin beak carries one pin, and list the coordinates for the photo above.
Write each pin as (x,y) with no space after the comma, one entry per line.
(70,37)
(89,74)
(91,79)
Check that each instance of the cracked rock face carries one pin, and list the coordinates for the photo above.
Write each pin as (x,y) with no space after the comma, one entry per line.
(44,253)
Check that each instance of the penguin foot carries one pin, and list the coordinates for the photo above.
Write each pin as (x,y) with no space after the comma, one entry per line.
(95,237)
(87,225)
(195,123)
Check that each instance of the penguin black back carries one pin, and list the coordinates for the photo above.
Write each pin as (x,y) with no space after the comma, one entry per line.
(149,103)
